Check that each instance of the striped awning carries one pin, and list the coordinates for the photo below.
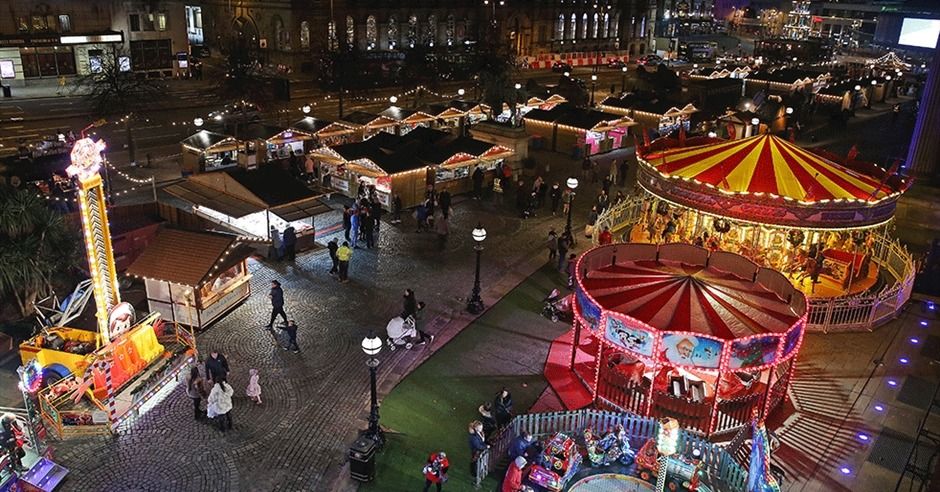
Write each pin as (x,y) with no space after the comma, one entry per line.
(767,164)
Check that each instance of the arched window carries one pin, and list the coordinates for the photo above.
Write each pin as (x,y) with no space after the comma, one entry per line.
(412,30)
(305,35)
(331,40)
(560,28)
(606,31)
(430,36)
(572,33)
(595,25)
(584,26)
(350,32)
(371,32)
(392,32)
(450,30)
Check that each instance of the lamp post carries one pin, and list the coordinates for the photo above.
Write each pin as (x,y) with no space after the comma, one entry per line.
(572,185)
(755,124)
(623,79)
(475,304)
(461,92)
(515,104)
(393,99)
(593,87)
(198,122)
(305,109)
(372,345)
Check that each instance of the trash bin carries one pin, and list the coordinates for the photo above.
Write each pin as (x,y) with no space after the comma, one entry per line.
(362,459)
(7,91)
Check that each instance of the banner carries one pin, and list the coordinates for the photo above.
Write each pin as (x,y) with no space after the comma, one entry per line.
(753,352)
(790,342)
(682,349)
(631,338)
(590,311)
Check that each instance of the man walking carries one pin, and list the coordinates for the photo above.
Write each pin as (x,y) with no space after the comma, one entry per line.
(477,183)
(556,197)
(277,303)
(333,245)
(290,243)
(347,220)
(216,366)
(343,254)
(291,330)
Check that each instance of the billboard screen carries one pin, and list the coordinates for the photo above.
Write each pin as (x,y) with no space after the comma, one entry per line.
(921,33)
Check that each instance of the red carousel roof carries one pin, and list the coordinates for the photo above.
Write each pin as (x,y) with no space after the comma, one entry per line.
(673,296)
(768,165)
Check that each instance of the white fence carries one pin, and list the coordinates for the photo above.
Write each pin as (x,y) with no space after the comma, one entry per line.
(861,312)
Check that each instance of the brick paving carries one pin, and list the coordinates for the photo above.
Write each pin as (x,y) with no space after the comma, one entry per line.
(313,401)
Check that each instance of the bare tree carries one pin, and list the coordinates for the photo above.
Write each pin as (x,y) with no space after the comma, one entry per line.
(118,93)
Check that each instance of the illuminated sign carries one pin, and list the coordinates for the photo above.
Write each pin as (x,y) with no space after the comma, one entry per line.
(86,158)
(100,38)
(6,69)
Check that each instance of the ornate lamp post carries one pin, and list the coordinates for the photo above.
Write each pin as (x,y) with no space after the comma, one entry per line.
(475,304)
(593,87)
(372,345)
(623,79)
(572,185)
(306,109)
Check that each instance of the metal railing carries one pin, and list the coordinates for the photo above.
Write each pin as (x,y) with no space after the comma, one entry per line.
(722,469)
(861,312)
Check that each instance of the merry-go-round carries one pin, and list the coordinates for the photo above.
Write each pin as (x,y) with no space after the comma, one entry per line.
(708,338)
(823,220)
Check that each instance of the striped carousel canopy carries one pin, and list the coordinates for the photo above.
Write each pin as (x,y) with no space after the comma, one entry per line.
(767,164)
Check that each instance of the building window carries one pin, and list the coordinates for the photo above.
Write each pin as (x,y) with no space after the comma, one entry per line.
(331,40)
(450,29)
(372,32)
(194,25)
(392,32)
(606,30)
(39,23)
(152,54)
(22,24)
(305,35)
(161,22)
(595,25)
(584,25)
(412,30)
(48,61)
(560,28)
(65,23)
(574,27)
(350,32)
(135,23)
(430,36)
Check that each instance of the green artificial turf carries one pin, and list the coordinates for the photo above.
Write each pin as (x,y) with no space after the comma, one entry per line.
(430,409)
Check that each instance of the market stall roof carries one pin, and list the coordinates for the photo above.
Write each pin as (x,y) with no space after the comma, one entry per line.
(311,125)
(200,194)
(271,184)
(680,297)
(767,164)
(257,131)
(188,258)
(543,115)
(303,209)
(409,115)
(204,140)
(590,119)
(362,118)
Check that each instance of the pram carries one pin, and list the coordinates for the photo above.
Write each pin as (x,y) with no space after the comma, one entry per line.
(401,332)
(557,306)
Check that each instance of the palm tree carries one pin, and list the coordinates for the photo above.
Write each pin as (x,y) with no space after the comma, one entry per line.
(115,91)
(36,246)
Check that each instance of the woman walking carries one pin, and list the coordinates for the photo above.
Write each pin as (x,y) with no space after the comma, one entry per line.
(219,406)
(196,390)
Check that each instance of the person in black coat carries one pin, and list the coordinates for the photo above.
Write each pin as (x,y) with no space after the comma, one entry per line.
(333,245)
(347,220)
(367,226)
(291,330)
(277,303)
(410,304)
(444,200)
(556,197)
(290,243)
(216,366)
(502,407)
(477,178)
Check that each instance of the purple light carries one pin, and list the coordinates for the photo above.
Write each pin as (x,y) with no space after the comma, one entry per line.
(845,470)
(915,340)
(863,437)
(931,306)
(879,408)
(892,383)
(903,360)
(923,322)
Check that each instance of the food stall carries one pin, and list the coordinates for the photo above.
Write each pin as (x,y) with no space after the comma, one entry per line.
(207,151)
(347,167)
(288,143)
(588,131)
(456,160)
(368,124)
(408,119)
(198,287)
(325,132)
(445,116)
(249,202)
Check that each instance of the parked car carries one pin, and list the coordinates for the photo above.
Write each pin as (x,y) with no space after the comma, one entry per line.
(616,63)
(561,67)
(651,60)
(236,112)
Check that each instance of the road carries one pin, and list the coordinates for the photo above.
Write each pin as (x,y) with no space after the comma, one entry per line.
(32,119)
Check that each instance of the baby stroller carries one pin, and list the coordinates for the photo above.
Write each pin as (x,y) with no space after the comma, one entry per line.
(401,332)
(557,306)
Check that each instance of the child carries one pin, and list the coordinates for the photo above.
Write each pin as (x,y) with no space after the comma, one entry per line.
(254,389)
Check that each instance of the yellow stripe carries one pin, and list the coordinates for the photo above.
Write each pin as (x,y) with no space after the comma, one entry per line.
(740,174)
(696,168)
(787,182)
(838,170)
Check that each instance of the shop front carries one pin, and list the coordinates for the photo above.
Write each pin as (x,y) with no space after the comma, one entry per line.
(456,173)
(582,132)
(207,151)
(287,144)
(28,57)
(194,278)
(348,168)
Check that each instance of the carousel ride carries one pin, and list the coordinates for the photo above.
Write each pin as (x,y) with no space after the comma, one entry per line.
(90,381)
(822,220)
(708,338)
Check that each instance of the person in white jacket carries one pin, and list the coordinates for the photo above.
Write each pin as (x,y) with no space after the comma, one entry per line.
(219,406)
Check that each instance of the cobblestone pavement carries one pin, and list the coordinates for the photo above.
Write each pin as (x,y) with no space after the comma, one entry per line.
(313,401)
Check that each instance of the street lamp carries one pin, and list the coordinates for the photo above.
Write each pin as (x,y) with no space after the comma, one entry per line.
(393,99)
(461,92)
(623,79)
(712,134)
(572,185)
(593,87)
(198,122)
(789,111)
(567,74)
(858,87)
(306,108)
(475,304)
(372,345)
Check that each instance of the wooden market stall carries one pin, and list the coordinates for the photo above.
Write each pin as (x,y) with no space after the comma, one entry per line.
(207,151)
(408,119)
(194,278)
(565,128)
(446,116)
(368,124)
(250,202)
(289,143)
(346,168)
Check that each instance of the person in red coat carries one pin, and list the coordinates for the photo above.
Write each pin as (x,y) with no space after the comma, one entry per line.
(512,482)
(435,471)
(605,237)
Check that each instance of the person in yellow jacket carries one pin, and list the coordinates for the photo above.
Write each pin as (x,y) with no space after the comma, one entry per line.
(343,254)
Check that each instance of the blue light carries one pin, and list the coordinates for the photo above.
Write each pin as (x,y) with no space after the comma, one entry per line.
(915,340)
(845,470)
(863,437)
(931,306)
(903,360)
(923,322)
(892,383)
(879,408)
